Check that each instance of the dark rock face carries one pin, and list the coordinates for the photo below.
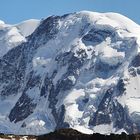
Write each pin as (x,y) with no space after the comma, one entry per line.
(60,120)
(120,87)
(121,118)
(96,36)
(19,113)
(102,115)
(134,68)
(47,30)
(133,71)
(104,70)
(136,61)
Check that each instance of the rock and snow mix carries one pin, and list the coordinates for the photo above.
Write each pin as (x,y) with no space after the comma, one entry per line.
(79,70)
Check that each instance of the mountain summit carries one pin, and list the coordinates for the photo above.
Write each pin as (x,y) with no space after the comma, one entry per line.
(80,70)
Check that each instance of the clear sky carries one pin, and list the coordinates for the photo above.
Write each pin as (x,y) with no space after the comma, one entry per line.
(14,11)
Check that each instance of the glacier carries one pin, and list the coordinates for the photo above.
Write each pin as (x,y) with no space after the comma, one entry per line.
(79,70)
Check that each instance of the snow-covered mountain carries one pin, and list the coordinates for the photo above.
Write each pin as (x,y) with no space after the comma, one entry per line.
(79,70)
(27,27)
(13,35)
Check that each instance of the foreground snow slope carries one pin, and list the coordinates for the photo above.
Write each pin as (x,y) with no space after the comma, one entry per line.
(79,70)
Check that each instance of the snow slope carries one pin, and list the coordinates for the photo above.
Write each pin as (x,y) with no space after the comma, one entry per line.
(78,70)
(13,35)
(28,27)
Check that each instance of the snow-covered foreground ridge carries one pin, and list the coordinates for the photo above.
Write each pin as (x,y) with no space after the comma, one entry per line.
(79,70)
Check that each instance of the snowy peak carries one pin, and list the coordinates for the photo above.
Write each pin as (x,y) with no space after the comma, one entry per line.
(10,37)
(77,70)
(115,20)
(28,27)
(1,22)
(13,35)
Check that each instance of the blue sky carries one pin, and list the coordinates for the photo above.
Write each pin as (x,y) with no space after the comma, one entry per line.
(14,11)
